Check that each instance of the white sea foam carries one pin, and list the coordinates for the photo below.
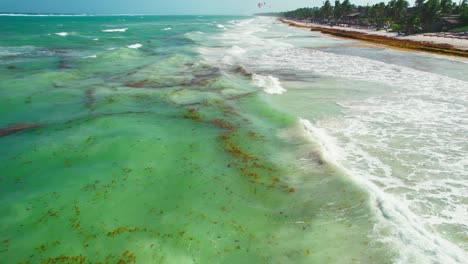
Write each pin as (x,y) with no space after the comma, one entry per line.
(166,29)
(62,34)
(221,26)
(90,57)
(96,39)
(235,50)
(397,224)
(269,84)
(135,46)
(115,30)
(407,146)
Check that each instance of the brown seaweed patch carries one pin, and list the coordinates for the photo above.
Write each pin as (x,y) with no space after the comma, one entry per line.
(388,41)
(64,259)
(122,230)
(238,153)
(237,96)
(77,210)
(193,114)
(17,128)
(64,65)
(11,67)
(241,70)
(155,85)
(89,101)
(221,123)
(117,231)
(139,84)
(205,77)
(249,166)
(255,135)
(130,257)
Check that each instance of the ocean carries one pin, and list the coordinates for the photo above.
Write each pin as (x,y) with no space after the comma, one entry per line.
(215,139)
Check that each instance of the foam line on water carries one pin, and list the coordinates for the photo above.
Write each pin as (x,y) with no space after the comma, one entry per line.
(397,224)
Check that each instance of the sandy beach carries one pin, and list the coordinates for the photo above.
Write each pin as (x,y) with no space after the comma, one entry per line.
(444,43)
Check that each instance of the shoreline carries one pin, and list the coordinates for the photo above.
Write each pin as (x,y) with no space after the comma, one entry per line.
(414,42)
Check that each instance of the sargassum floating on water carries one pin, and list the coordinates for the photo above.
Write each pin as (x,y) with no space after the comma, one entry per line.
(16,128)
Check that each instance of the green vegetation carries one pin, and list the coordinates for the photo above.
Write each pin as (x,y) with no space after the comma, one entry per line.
(396,15)
(459,29)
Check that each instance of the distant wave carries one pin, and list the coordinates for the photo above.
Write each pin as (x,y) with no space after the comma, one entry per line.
(135,46)
(46,15)
(115,30)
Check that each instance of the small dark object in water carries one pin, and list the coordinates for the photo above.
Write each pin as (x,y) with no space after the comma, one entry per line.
(11,67)
(64,65)
(89,98)
(317,157)
(16,128)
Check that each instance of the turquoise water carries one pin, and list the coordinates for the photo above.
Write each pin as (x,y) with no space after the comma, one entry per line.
(159,139)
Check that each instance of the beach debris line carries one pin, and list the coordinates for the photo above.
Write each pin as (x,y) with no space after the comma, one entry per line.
(384,40)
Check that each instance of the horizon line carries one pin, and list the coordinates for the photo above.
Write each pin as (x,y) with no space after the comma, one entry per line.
(110,14)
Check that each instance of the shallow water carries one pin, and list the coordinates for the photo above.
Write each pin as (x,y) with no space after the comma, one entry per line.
(226,140)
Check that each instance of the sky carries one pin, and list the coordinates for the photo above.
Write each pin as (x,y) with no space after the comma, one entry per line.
(160,7)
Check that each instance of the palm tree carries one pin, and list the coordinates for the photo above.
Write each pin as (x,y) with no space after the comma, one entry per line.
(377,12)
(430,12)
(326,10)
(397,9)
(446,7)
(346,7)
(419,3)
(337,10)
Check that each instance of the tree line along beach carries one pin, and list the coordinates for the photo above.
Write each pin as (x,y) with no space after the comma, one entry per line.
(432,26)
